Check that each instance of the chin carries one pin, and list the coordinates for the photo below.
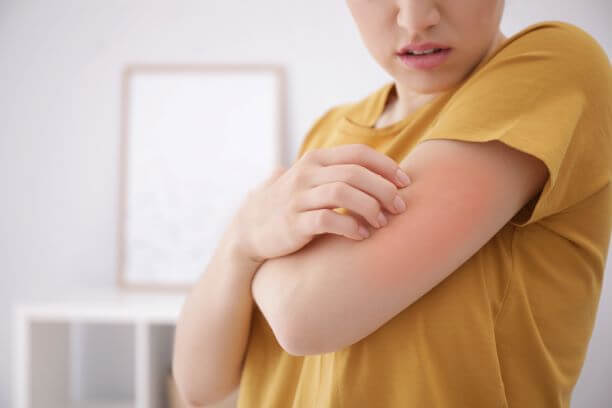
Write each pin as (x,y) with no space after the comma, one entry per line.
(431,85)
(425,82)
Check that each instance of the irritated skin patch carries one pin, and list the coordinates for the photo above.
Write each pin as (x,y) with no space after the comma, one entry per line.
(453,208)
(435,224)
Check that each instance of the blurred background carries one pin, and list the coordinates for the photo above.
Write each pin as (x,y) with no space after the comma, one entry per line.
(60,75)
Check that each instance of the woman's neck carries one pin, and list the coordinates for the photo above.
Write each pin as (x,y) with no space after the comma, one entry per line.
(395,110)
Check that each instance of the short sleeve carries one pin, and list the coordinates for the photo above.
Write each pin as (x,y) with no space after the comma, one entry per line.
(539,93)
(308,140)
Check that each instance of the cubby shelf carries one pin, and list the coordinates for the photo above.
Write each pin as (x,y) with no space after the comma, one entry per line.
(44,344)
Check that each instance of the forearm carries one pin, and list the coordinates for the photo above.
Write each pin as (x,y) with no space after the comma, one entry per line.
(317,299)
(213,328)
(336,291)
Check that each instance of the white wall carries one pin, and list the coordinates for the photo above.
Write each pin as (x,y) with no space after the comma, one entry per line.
(60,66)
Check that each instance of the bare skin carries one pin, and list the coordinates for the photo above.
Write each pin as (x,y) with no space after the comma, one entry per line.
(277,218)
(469,27)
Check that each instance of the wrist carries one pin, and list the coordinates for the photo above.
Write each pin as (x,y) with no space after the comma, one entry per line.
(238,249)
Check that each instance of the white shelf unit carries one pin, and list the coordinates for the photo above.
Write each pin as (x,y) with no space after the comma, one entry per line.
(44,347)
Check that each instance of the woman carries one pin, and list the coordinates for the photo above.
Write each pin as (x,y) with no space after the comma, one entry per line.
(480,288)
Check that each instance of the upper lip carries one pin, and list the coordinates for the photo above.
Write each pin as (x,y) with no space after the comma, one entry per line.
(421,47)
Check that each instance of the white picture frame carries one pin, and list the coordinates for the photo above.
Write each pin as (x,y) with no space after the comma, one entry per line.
(194,140)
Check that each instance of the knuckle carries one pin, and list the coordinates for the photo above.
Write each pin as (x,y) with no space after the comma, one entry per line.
(299,178)
(338,190)
(365,150)
(390,191)
(292,203)
(293,223)
(322,219)
(309,155)
(352,173)
(355,227)
(373,208)
(361,151)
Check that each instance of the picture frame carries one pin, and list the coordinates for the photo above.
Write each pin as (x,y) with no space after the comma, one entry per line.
(194,140)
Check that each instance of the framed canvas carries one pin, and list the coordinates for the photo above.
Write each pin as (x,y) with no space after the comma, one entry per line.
(194,140)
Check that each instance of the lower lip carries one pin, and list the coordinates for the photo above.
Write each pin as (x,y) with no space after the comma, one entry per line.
(425,61)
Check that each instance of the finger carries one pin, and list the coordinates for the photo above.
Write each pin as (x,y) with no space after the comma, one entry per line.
(323,221)
(360,178)
(338,194)
(359,218)
(363,155)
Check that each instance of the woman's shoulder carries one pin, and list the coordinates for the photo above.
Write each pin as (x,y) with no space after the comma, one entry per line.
(566,40)
(359,110)
(553,56)
(329,117)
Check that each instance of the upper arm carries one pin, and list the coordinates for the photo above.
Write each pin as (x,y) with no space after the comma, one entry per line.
(462,193)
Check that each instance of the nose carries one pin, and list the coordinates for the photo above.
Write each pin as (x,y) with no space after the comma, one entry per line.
(417,16)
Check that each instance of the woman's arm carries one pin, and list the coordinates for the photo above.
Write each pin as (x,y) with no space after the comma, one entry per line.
(213,328)
(278,217)
(336,291)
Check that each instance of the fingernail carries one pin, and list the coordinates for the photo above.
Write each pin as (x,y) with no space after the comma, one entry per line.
(363,231)
(402,177)
(399,204)
(382,220)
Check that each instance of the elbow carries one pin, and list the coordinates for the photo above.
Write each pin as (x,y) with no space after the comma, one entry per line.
(300,344)
(203,403)
(295,327)
(299,330)
(202,398)
(296,345)
(298,338)
(305,331)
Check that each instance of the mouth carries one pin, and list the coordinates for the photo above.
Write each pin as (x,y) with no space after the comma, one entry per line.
(425,59)
(422,49)
(424,52)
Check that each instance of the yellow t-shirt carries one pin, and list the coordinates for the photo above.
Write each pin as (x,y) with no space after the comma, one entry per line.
(510,327)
